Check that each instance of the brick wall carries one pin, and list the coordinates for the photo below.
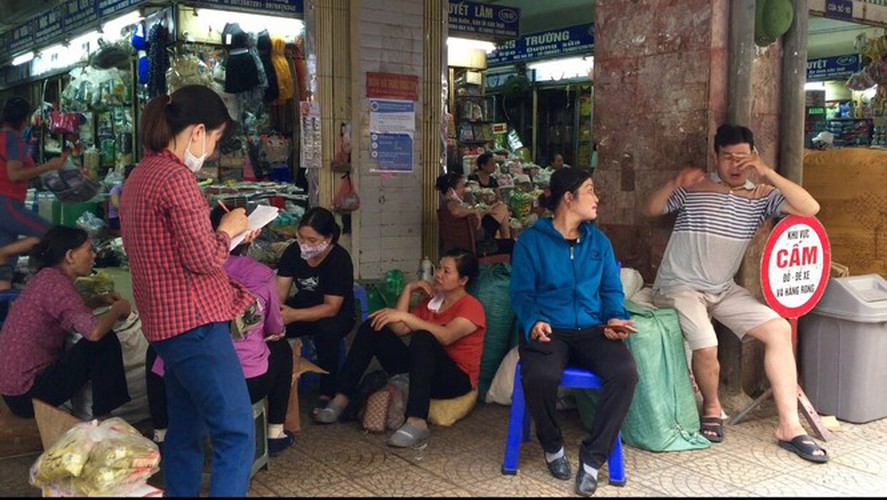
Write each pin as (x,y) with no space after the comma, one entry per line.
(391,41)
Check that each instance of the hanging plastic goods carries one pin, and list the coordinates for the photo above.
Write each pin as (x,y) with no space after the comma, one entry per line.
(346,199)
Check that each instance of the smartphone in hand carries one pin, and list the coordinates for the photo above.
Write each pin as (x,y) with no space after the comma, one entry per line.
(618,328)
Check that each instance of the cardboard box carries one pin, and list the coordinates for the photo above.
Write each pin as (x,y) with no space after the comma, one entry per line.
(18,436)
(293,421)
(52,422)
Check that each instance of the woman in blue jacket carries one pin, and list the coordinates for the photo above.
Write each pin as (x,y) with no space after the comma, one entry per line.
(568,298)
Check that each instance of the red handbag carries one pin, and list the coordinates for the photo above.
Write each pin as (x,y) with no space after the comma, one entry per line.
(61,122)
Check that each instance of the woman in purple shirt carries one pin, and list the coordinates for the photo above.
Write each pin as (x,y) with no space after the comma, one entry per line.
(265,356)
(33,359)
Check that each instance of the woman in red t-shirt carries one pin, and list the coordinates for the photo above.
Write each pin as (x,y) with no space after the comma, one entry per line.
(16,170)
(443,358)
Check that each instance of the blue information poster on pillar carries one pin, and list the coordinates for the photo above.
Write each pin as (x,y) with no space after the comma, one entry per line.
(392,128)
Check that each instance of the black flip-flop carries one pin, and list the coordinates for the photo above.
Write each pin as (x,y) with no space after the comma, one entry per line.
(714,425)
(804,446)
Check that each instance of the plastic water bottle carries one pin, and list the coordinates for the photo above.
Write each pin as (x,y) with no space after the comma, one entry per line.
(426,270)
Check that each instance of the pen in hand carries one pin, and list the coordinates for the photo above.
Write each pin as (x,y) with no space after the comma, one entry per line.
(221,204)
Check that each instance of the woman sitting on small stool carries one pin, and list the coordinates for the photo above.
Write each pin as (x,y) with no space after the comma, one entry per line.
(33,360)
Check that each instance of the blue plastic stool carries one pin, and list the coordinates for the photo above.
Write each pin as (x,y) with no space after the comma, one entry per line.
(360,296)
(519,423)
(6,299)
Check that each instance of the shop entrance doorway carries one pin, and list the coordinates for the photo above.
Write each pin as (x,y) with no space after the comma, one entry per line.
(564,118)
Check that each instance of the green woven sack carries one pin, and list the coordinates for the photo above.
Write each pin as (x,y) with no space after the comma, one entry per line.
(491,289)
(663,414)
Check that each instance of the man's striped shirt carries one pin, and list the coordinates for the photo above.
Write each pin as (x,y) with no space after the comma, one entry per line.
(712,232)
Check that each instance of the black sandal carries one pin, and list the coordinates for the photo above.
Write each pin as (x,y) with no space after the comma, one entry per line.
(713,429)
(804,446)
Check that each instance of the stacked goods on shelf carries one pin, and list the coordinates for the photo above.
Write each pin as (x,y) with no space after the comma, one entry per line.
(851,132)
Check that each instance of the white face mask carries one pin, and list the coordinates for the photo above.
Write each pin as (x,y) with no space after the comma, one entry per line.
(192,162)
(313,251)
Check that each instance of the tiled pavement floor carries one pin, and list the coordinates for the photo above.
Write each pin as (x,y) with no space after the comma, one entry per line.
(465,459)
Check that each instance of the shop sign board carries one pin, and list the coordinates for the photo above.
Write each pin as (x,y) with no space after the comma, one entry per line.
(474,18)
(392,86)
(48,27)
(11,76)
(22,38)
(578,39)
(832,68)
(291,7)
(80,15)
(795,265)
(6,41)
(112,8)
(839,9)
(392,128)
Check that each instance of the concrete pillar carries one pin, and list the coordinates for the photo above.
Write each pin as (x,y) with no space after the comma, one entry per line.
(666,76)
(660,92)
(433,146)
(332,33)
(741,55)
(792,114)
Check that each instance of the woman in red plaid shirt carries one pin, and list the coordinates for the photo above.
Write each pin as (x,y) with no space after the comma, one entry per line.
(183,295)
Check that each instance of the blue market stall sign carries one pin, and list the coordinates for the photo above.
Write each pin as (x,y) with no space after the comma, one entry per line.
(22,38)
(75,17)
(81,15)
(832,68)
(112,8)
(551,44)
(475,18)
(48,27)
(11,76)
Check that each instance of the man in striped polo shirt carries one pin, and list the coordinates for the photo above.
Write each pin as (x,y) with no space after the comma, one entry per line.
(717,216)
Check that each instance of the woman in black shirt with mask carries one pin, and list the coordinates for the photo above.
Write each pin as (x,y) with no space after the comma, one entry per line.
(320,275)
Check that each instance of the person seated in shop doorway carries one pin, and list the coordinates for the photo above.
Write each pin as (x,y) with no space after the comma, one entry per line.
(33,359)
(718,215)
(486,167)
(492,232)
(265,356)
(557,163)
(443,357)
(569,303)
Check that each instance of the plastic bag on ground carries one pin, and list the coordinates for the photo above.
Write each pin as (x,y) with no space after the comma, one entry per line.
(110,458)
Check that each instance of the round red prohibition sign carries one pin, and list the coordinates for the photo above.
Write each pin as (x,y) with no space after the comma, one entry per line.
(795,265)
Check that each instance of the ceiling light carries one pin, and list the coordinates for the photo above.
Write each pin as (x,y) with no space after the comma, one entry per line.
(468,44)
(116,25)
(26,57)
(561,69)
(215,20)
